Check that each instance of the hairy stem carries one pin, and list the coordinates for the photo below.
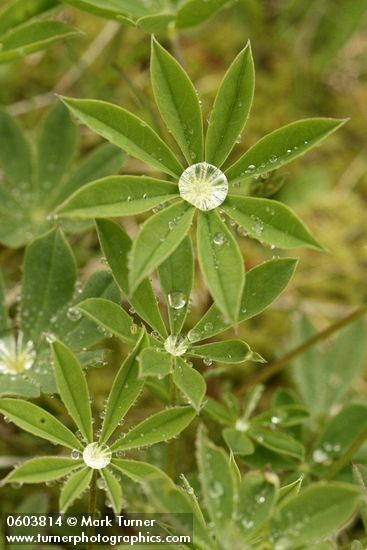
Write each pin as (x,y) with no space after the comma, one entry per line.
(171,450)
(92,507)
(280,364)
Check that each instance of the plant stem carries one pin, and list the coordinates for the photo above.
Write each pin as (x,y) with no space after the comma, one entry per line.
(277,366)
(171,450)
(347,456)
(92,506)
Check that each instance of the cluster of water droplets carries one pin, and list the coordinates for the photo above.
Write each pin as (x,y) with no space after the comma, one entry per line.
(16,355)
(203,185)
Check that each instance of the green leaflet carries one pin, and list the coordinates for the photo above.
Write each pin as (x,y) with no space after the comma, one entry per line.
(238,442)
(20,11)
(177,102)
(194,12)
(217,481)
(339,434)
(190,382)
(74,487)
(109,316)
(269,221)
(155,24)
(113,490)
(221,263)
(125,390)
(113,8)
(48,282)
(158,238)
(231,108)
(104,160)
(167,496)
(158,427)
(278,442)
(155,363)
(290,490)
(38,422)
(282,146)
(15,154)
(19,386)
(127,131)
(257,497)
(56,147)
(41,470)
(315,371)
(116,246)
(73,388)
(318,511)
(230,351)
(31,37)
(176,275)
(117,196)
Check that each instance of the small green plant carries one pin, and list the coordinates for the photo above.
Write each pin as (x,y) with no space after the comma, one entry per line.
(202,186)
(47,309)
(89,456)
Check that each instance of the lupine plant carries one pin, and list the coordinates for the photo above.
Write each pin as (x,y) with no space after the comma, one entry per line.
(203,188)
(89,455)
(48,296)
(34,184)
(272,469)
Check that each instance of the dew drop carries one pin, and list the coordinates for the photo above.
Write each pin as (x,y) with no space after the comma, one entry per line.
(177,300)
(203,185)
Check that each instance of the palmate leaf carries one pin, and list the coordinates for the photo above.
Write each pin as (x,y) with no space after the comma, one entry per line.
(110,316)
(318,511)
(73,388)
(117,196)
(190,382)
(33,187)
(33,419)
(127,131)
(158,427)
(41,470)
(158,238)
(113,490)
(282,146)
(176,275)
(270,221)
(177,102)
(257,295)
(221,263)
(116,246)
(125,390)
(231,108)
(32,37)
(74,487)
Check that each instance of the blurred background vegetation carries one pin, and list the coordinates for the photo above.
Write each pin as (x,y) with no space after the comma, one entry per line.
(310,59)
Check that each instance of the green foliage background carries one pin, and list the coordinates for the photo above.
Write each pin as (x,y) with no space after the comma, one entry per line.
(310,60)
